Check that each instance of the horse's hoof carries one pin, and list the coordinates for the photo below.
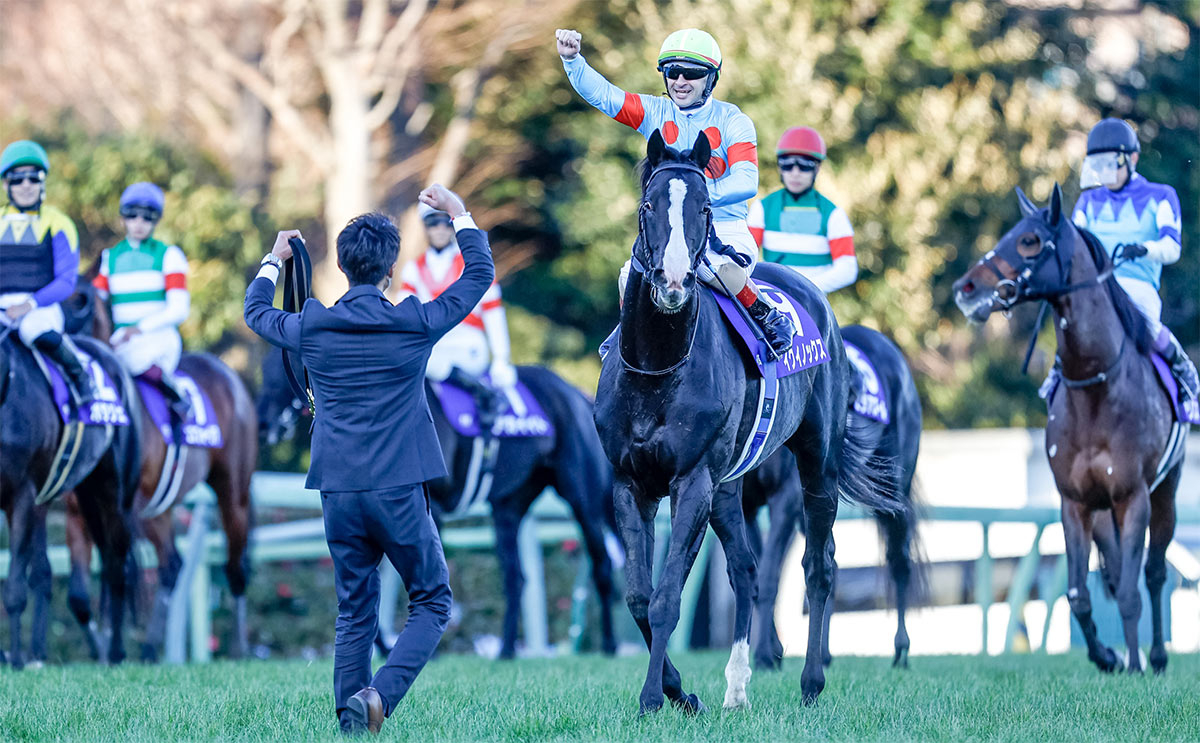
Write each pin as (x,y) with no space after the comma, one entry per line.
(827,660)
(690,705)
(737,701)
(901,659)
(649,707)
(149,653)
(1109,662)
(1158,659)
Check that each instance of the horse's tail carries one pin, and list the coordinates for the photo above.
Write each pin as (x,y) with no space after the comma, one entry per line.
(865,477)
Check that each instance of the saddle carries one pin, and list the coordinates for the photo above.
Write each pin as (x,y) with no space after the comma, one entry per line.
(200,429)
(870,399)
(521,416)
(106,409)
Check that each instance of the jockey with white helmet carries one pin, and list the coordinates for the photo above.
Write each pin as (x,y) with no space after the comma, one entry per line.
(479,344)
(690,62)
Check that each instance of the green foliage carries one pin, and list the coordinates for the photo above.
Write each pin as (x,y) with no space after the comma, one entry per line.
(218,233)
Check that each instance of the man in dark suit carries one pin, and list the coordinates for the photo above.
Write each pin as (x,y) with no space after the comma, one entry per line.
(373,444)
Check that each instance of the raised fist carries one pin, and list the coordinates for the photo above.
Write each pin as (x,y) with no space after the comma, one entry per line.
(569,42)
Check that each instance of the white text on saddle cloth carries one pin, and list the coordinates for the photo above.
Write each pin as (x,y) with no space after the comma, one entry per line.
(807,349)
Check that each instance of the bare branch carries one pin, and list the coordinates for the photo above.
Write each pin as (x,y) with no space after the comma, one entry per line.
(397,37)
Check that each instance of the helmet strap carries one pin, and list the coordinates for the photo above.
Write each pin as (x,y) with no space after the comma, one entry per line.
(35,207)
(709,83)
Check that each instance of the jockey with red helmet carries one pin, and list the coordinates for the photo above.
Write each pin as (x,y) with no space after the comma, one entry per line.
(797,226)
(690,62)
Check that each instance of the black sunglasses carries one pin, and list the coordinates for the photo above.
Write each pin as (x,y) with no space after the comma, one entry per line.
(145,212)
(19,178)
(674,72)
(802,163)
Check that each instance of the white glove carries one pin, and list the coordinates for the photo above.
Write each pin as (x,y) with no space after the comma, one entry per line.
(503,374)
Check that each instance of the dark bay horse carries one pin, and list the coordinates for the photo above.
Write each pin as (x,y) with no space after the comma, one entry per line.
(227,470)
(1109,422)
(776,485)
(673,404)
(104,477)
(571,462)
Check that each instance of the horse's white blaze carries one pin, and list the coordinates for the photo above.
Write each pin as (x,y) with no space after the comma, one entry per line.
(737,675)
(675,261)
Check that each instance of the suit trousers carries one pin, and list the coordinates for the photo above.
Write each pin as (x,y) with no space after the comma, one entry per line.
(362,527)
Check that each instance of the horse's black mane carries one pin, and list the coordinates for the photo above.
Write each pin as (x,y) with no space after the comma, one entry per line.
(1132,319)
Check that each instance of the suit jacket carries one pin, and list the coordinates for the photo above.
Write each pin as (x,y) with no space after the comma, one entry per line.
(366,360)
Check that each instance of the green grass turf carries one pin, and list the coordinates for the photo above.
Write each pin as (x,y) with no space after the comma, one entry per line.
(1020,697)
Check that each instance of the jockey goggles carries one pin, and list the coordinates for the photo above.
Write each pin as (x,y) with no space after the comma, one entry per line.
(1100,169)
(35,176)
(675,71)
(437,218)
(145,212)
(805,164)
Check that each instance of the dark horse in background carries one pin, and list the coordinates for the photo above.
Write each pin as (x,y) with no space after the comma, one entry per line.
(674,404)
(227,470)
(103,476)
(571,462)
(776,485)
(1110,422)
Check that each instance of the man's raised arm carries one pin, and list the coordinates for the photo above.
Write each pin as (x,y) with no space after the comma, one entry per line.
(277,327)
(454,304)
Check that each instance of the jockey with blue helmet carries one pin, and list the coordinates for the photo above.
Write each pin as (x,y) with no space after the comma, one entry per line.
(39,260)
(145,280)
(1139,223)
(690,62)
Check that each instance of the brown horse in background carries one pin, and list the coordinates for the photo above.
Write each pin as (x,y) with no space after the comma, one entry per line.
(1110,423)
(227,470)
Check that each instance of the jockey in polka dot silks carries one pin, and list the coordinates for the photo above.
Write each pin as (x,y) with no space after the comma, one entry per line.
(690,62)
(1138,222)
(146,282)
(39,260)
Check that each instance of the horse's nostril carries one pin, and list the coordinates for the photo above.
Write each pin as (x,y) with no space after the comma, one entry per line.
(968,287)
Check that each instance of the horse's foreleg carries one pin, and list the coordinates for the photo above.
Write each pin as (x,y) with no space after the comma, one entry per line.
(1077,528)
(230,480)
(21,527)
(827,617)
(692,500)
(1162,531)
(785,512)
(1104,534)
(897,533)
(1133,515)
(730,526)
(820,510)
(79,599)
(159,531)
(506,520)
(41,580)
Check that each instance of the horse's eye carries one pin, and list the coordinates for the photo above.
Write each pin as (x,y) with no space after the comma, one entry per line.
(647,206)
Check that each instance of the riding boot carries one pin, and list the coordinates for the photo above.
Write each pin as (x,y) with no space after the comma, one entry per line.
(487,400)
(181,406)
(60,348)
(1182,368)
(177,404)
(776,326)
(1051,381)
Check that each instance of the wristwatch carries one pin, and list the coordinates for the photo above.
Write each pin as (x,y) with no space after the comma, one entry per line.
(273,259)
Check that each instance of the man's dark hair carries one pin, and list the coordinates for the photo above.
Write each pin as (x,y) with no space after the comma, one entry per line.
(367,247)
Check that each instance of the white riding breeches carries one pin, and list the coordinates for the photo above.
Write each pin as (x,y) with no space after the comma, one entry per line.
(464,346)
(733,233)
(160,348)
(1146,297)
(35,322)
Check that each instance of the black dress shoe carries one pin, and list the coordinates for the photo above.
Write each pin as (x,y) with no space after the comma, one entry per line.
(364,711)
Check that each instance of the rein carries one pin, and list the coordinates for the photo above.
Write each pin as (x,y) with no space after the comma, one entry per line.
(297,289)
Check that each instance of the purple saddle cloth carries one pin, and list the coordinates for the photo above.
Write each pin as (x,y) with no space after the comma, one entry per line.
(106,409)
(872,397)
(808,348)
(1184,413)
(201,429)
(522,416)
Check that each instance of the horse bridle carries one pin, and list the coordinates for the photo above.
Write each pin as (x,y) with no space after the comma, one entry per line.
(639,264)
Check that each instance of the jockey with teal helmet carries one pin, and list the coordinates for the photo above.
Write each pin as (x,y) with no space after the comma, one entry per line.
(39,261)
(797,226)
(690,62)
(1139,223)
(145,280)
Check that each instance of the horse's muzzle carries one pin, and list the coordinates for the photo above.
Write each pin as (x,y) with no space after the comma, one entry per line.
(670,296)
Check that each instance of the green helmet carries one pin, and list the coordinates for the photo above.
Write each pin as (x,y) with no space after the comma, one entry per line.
(691,45)
(23,152)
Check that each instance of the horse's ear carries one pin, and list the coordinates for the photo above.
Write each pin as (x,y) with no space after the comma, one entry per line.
(1055,205)
(1027,206)
(701,151)
(656,148)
